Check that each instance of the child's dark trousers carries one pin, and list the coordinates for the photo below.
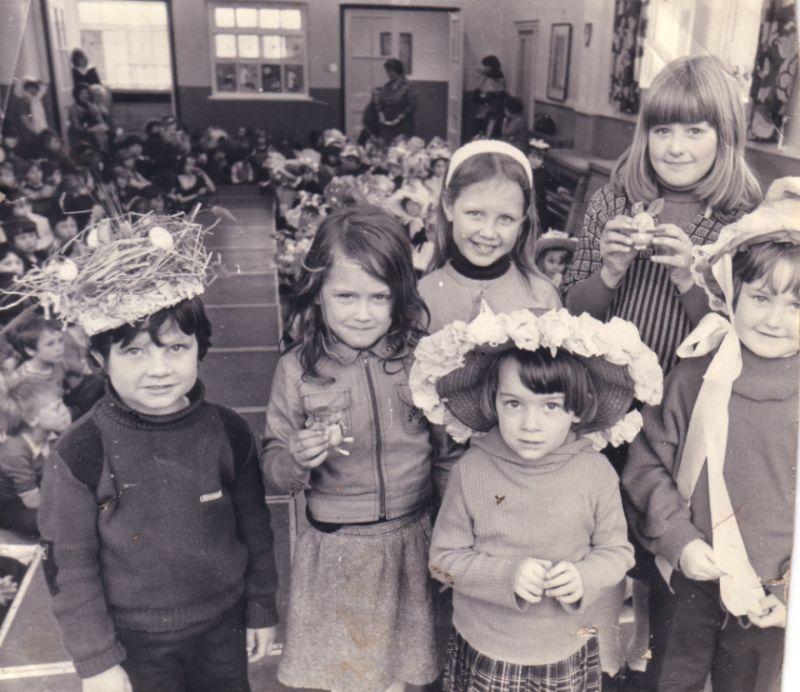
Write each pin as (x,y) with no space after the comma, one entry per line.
(693,636)
(208,658)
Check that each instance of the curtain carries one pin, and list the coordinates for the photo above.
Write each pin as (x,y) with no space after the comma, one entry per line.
(630,27)
(775,71)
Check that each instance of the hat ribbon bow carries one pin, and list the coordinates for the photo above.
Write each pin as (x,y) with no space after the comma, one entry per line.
(706,441)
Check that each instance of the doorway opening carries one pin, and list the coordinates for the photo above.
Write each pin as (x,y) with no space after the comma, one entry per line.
(429,43)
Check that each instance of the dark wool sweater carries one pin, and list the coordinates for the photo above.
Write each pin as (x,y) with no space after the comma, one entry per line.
(154,523)
(759,471)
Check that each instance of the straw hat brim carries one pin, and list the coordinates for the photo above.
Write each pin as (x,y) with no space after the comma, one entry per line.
(544,244)
(461,390)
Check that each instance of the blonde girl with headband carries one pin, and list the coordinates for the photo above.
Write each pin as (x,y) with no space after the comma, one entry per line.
(686,167)
(711,476)
(485,232)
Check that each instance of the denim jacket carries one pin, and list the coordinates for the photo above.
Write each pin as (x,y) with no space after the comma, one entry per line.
(395,457)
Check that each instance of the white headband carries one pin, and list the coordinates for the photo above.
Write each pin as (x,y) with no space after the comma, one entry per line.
(488,146)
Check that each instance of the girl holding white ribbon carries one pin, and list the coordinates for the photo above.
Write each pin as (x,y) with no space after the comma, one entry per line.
(712,474)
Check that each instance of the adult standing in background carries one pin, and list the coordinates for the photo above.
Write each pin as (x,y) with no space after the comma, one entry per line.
(82,71)
(489,98)
(397,103)
(29,117)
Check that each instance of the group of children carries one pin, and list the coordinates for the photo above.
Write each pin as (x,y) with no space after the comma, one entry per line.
(531,535)
(467,459)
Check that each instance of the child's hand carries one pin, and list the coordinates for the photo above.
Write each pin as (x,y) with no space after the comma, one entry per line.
(772,615)
(697,561)
(529,580)
(259,642)
(112,680)
(563,582)
(616,249)
(309,447)
(674,250)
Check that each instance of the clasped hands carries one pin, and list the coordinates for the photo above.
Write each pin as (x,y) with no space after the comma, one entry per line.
(536,578)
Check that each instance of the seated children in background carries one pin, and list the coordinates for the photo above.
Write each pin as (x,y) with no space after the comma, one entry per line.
(35,413)
(65,228)
(127,159)
(12,266)
(172,586)
(75,198)
(40,344)
(730,404)
(51,148)
(9,360)
(22,208)
(515,128)
(440,158)
(192,184)
(552,253)
(21,233)
(9,185)
(34,189)
(531,533)
(50,353)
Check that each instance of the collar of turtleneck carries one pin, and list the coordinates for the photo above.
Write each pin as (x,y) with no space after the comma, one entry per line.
(493,271)
(124,414)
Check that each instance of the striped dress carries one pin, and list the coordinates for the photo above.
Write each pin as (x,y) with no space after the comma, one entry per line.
(646,295)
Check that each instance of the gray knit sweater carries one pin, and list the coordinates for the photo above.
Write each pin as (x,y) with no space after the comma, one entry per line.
(500,509)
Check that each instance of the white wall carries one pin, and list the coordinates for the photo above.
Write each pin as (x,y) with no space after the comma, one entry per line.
(590,66)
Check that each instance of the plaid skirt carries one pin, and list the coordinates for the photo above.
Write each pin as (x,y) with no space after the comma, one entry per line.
(363,609)
(468,670)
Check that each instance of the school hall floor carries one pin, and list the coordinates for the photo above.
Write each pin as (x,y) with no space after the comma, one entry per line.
(244,310)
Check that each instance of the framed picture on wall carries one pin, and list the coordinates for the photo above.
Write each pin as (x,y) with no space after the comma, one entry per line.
(558,68)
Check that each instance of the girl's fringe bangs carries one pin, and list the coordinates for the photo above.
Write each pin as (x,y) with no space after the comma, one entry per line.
(675,102)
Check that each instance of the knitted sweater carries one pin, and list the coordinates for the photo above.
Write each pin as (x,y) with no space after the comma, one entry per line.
(453,296)
(759,464)
(646,296)
(500,509)
(154,523)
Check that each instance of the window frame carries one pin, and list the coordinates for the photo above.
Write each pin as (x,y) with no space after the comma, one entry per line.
(213,31)
(105,75)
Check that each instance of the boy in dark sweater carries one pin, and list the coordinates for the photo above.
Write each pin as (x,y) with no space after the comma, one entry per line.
(159,548)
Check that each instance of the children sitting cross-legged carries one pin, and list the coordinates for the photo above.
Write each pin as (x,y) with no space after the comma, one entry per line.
(34,412)
(712,476)
(531,531)
(159,552)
